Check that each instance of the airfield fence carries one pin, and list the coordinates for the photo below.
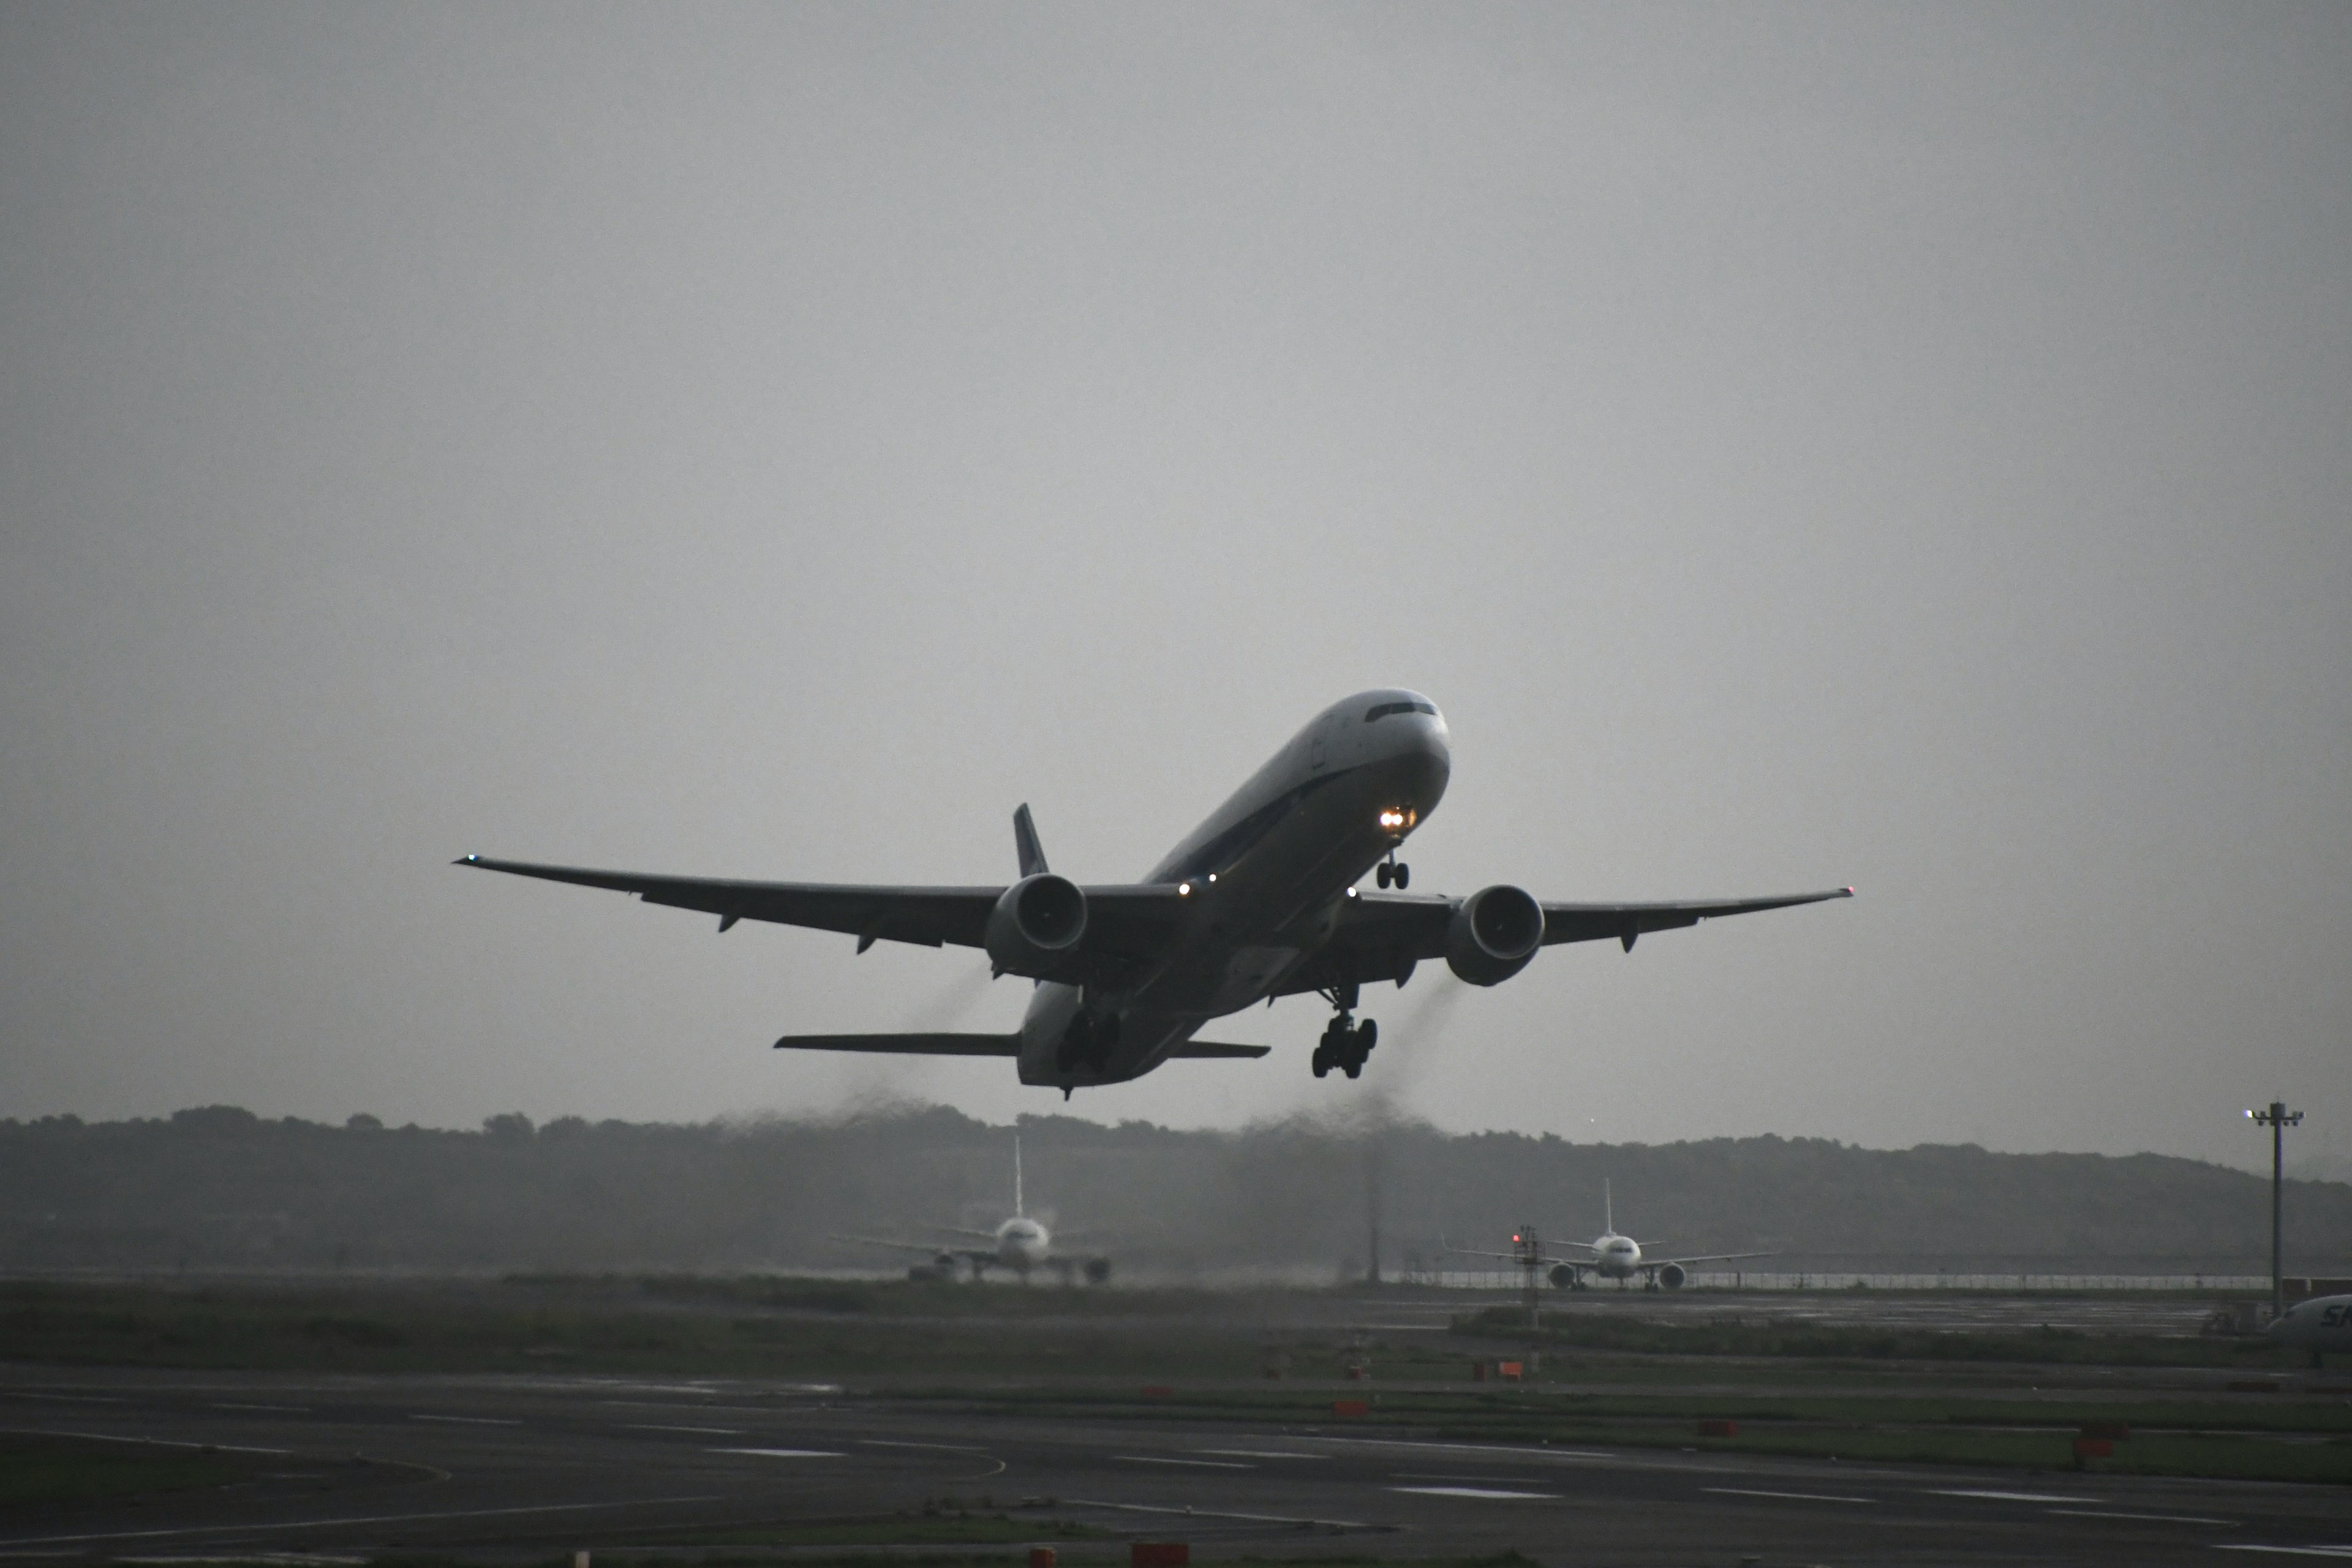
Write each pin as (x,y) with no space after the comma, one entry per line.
(1830,1279)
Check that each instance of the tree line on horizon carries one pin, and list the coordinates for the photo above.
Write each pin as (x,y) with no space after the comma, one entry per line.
(218,1188)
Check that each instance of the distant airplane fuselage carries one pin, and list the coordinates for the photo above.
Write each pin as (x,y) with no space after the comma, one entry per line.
(2319,1325)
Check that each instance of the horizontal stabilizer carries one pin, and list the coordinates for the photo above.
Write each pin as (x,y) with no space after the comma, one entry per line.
(1217,1048)
(908,1045)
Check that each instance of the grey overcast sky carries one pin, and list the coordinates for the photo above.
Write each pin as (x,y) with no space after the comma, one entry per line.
(1902,445)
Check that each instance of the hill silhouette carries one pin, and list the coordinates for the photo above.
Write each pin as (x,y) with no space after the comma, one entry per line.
(219,1188)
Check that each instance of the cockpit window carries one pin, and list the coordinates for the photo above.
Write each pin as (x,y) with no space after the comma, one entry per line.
(1380,710)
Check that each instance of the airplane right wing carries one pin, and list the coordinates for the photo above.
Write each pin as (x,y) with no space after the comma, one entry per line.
(1127,923)
(1515,1257)
(931,1250)
(908,1044)
(978,1046)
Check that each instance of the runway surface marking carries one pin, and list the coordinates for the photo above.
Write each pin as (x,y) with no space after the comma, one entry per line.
(1195,1464)
(1212,1513)
(939,1448)
(2009,1496)
(1800,1497)
(782,1453)
(705,1431)
(1471,1448)
(1495,1492)
(67,1398)
(703,1409)
(277,1409)
(150,1442)
(2155,1517)
(1260,1453)
(371,1519)
(2285,1551)
(469,1420)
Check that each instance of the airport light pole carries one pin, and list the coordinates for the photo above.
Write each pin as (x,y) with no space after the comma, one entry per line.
(2278,1119)
(1529,1245)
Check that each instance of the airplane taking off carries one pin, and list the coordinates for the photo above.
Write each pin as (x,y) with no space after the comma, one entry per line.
(1258,902)
(1019,1243)
(1616,1257)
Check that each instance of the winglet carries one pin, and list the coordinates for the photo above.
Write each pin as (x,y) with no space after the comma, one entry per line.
(1025,841)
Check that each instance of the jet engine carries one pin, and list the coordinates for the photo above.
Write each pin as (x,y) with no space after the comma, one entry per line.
(1037,919)
(1496,931)
(1671,1277)
(1097,1270)
(1563,1277)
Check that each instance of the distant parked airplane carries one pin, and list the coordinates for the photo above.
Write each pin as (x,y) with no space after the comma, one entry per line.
(1617,1257)
(1019,1243)
(1258,902)
(2322,1324)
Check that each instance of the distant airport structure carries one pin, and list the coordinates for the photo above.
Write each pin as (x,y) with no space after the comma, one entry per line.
(1258,902)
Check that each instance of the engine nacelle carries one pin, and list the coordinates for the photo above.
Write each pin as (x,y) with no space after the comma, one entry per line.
(1097,1270)
(1671,1277)
(1496,931)
(1037,919)
(1563,1277)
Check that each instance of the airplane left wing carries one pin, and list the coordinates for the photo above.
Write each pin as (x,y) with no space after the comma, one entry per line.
(1597,922)
(1705,1258)
(1383,935)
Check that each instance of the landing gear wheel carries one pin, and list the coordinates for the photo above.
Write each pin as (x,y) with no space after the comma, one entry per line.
(1367,1034)
(1383,872)
(1401,876)
(1335,1050)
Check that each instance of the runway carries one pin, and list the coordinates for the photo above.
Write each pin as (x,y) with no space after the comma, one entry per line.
(512,1469)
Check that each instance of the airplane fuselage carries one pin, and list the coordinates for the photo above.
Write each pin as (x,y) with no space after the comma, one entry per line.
(1022,1244)
(2319,1325)
(1616,1256)
(1263,881)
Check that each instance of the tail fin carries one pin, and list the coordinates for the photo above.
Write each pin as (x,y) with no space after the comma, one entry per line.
(1019,1210)
(1024,840)
(1608,1217)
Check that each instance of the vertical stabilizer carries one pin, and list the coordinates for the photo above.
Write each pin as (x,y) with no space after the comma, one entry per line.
(1608,1215)
(1018,1211)
(1024,842)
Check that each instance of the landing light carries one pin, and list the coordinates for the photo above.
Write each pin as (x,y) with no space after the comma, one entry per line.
(1183,890)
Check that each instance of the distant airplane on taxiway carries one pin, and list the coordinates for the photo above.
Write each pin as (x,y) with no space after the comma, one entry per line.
(1258,902)
(1021,1242)
(1615,1257)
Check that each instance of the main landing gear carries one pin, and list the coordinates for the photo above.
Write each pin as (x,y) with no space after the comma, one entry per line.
(1394,873)
(1344,1042)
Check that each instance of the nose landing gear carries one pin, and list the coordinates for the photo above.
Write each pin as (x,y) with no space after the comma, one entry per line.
(1393,872)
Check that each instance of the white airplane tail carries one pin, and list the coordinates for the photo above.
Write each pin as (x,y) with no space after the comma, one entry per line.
(1019,1212)
(1608,1215)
